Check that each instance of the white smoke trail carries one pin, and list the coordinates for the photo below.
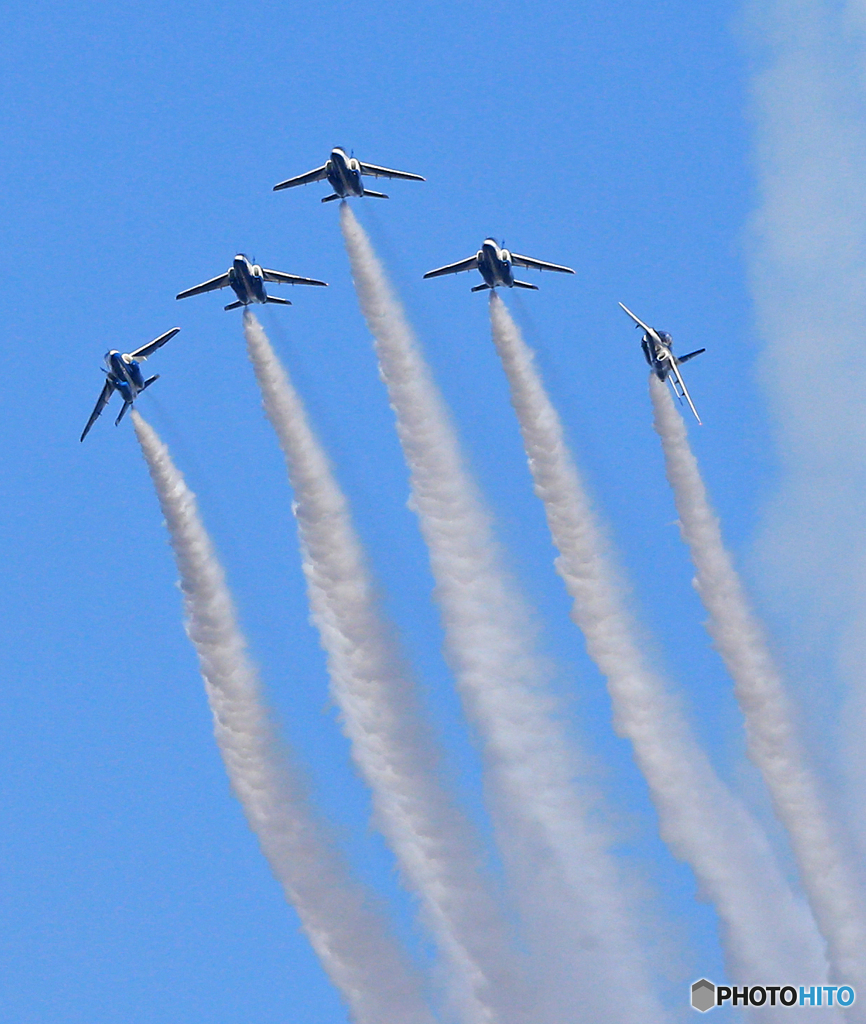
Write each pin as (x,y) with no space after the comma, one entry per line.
(392,747)
(772,741)
(563,872)
(807,270)
(767,932)
(809,291)
(348,934)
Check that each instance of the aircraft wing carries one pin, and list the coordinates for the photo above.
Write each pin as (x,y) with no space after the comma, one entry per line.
(278,277)
(386,172)
(215,282)
(152,346)
(528,261)
(319,174)
(680,388)
(455,268)
(649,330)
(101,402)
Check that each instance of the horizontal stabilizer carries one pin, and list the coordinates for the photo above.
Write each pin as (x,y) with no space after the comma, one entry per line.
(150,381)
(376,195)
(120,415)
(235,305)
(523,284)
(330,199)
(480,287)
(276,299)
(691,355)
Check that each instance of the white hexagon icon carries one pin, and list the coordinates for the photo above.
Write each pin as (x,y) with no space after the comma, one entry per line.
(703,995)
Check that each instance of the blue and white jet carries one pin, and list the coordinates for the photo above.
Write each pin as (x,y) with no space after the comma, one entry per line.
(343,173)
(495,264)
(658,351)
(247,281)
(124,375)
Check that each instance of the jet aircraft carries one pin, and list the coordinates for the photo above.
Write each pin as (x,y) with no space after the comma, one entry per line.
(344,176)
(247,280)
(658,351)
(124,375)
(495,264)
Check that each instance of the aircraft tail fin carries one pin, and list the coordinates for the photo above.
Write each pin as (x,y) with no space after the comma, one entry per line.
(330,199)
(377,195)
(150,381)
(480,287)
(523,284)
(122,412)
(278,300)
(235,305)
(691,355)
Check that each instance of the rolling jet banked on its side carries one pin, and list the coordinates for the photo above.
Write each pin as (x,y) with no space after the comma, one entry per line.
(658,351)
(247,281)
(495,264)
(124,375)
(343,173)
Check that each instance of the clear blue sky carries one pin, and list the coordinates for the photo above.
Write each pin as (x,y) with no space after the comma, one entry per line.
(140,146)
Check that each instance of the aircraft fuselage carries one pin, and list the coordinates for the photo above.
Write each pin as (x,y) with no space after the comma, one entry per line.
(494,264)
(659,356)
(247,281)
(344,174)
(125,374)
(658,350)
